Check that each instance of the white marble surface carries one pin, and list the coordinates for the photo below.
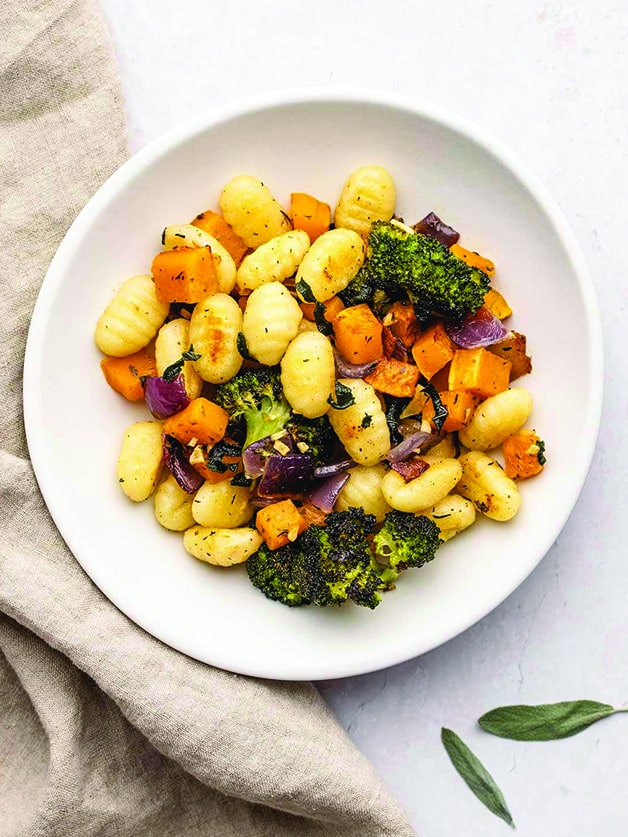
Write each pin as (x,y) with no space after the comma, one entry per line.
(551,80)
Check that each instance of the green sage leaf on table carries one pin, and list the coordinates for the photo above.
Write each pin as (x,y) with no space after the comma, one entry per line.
(477,777)
(546,721)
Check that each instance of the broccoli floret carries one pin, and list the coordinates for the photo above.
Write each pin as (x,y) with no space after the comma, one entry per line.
(257,396)
(270,570)
(405,540)
(326,565)
(333,563)
(316,433)
(434,279)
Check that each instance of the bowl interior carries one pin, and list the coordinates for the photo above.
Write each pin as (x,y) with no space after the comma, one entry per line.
(216,615)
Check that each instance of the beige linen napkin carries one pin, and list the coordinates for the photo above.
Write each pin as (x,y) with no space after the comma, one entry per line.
(104,730)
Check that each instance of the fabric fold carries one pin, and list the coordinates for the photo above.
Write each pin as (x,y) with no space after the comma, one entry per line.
(104,730)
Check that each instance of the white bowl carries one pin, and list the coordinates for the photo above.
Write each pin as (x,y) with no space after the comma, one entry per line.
(307,142)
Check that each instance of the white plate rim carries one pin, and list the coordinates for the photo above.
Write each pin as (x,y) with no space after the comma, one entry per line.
(34,416)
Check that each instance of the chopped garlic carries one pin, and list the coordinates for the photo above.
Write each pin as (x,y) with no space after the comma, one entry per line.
(281,448)
(293,533)
(197,455)
(400,225)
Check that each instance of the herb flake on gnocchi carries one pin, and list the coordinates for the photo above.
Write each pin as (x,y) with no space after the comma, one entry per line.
(328,403)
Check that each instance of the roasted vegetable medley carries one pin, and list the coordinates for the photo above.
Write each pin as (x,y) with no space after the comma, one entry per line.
(327,399)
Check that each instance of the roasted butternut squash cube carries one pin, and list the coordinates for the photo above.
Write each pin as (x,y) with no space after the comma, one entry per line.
(280,524)
(309,214)
(216,226)
(497,305)
(441,378)
(473,259)
(524,455)
(358,334)
(403,323)
(479,371)
(460,406)
(394,378)
(513,349)
(124,374)
(201,420)
(186,274)
(433,350)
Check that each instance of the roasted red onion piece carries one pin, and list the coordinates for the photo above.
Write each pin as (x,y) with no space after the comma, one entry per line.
(262,502)
(334,468)
(164,398)
(254,457)
(479,329)
(410,468)
(352,370)
(433,226)
(176,461)
(324,495)
(408,446)
(286,475)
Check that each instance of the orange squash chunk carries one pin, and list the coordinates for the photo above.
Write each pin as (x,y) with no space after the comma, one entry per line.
(332,306)
(215,225)
(394,378)
(403,322)
(280,524)
(473,259)
(433,350)
(479,371)
(460,406)
(201,420)
(441,378)
(358,334)
(523,455)
(513,349)
(123,374)
(497,305)
(187,274)
(309,214)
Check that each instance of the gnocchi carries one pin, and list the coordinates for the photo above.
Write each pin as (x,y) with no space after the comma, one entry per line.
(187,235)
(222,505)
(309,357)
(332,262)
(174,339)
(271,319)
(250,209)
(221,547)
(484,483)
(424,491)
(214,328)
(132,318)
(173,505)
(361,427)
(364,490)
(452,515)
(497,418)
(274,261)
(140,460)
(368,195)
